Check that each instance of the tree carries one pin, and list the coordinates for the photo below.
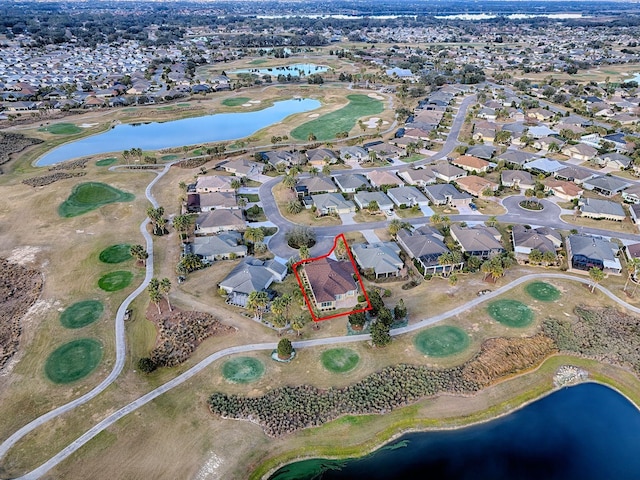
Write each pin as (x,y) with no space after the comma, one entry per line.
(492,221)
(373,206)
(236,184)
(294,207)
(182,222)
(257,302)
(165,288)
(549,257)
(394,227)
(289,181)
(190,263)
(139,253)
(385,316)
(311,137)
(485,268)
(285,349)
(474,262)
(253,235)
(453,280)
(377,303)
(298,323)
(357,320)
(326,169)
(632,268)
(400,310)
(596,275)
(146,365)
(535,256)
(154,293)
(380,336)
(304,252)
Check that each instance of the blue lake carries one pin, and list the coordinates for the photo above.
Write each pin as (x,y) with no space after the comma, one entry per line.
(294,70)
(189,131)
(583,432)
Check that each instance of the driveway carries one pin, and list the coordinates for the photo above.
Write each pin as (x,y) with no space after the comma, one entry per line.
(467,210)
(426,211)
(347,218)
(370,236)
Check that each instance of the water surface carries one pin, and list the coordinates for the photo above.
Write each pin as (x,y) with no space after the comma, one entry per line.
(295,70)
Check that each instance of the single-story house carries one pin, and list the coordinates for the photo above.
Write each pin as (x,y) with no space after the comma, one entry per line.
(355,152)
(516,157)
(543,239)
(319,157)
(382,258)
(214,183)
(614,160)
(426,246)
(447,194)
(315,184)
(587,251)
(471,163)
(215,200)
(284,157)
(332,283)
(575,174)
(445,171)
(486,152)
(476,185)
(602,209)
(633,250)
(408,196)
(517,179)
(350,182)
(634,211)
(378,178)
(544,165)
(242,167)
(219,247)
(562,189)
(217,221)
(632,194)
(363,199)
(545,143)
(580,151)
(479,240)
(332,203)
(251,275)
(420,176)
(606,185)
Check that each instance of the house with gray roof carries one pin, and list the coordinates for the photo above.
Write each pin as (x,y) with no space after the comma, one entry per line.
(420,176)
(354,152)
(350,182)
(315,184)
(517,179)
(363,199)
(602,209)
(486,152)
(382,258)
(544,165)
(634,211)
(587,251)
(284,157)
(408,196)
(251,275)
(517,157)
(215,200)
(614,160)
(319,157)
(242,167)
(606,185)
(446,172)
(214,183)
(447,194)
(578,175)
(219,247)
(632,194)
(219,220)
(426,246)
(332,203)
(543,239)
(479,240)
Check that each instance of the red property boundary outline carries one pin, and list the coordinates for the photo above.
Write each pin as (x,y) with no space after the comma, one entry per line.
(355,269)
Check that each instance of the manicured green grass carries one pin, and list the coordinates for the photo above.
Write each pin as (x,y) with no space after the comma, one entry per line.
(343,120)
(197,152)
(183,104)
(168,158)
(116,253)
(543,291)
(61,129)
(412,158)
(251,197)
(168,107)
(510,313)
(73,361)
(442,341)
(243,370)
(89,196)
(257,61)
(340,360)
(115,281)
(235,101)
(105,162)
(81,314)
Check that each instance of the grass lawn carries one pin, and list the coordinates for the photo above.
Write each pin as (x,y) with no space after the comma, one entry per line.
(625,227)
(408,212)
(235,101)
(413,158)
(251,197)
(257,61)
(105,162)
(488,207)
(182,105)
(363,216)
(81,314)
(61,129)
(243,370)
(444,210)
(442,341)
(89,196)
(168,158)
(283,194)
(543,291)
(73,361)
(116,253)
(343,120)
(114,281)
(340,360)
(510,313)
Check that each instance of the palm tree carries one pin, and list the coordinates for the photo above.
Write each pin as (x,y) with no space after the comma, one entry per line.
(486,268)
(236,184)
(294,207)
(444,260)
(257,302)
(165,288)
(254,235)
(632,267)
(497,270)
(435,219)
(596,275)
(492,221)
(313,171)
(289,181)
(298,324)
(373,206)
(139,253)
(326,169)
(154,293)
(394,227)
(304,252)
(311,137)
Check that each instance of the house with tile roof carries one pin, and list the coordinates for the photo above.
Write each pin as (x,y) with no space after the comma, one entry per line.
(331,283)
(382,258)
(251,275)
(476,186)
(471,163)
(479,240)
(425,246)
(602,209)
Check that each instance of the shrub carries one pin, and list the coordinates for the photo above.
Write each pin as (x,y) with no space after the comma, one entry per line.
(285,349)
(300,236)
(146,365)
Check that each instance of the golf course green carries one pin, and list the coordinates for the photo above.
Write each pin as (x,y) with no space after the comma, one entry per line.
(343,120)
(61,129)
(89,196)
(114,281)
(243,370)
(340,360)
(235,101)
(81,314)
(543,291)
(105,162)
(442,341)
(116,253)
(510,313)
(73,361)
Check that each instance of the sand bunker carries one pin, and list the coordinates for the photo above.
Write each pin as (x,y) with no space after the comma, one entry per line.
(255,101)
(314,115)
(23,255)
(372,122)
(247,105)
(87,125)
(375,96)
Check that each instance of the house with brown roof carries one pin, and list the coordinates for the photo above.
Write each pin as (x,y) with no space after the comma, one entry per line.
(476,185)
(420,176)
(580,151)
(471,163)
(562,189)
(517,179)
(378,178)
(332,283)
(445,171)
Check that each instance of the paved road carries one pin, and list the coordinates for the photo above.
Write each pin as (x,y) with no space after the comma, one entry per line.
(121,348)
(114,417)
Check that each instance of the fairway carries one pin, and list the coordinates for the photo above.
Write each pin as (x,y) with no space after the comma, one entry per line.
(61,129)
(116,253)
(243,370)
(105,162)
(327,126)
(81,314)
(73,361)
(235,102)
(114,281)
(168,158)
(89,196)
(340,360)
(543,291)
(510,313)
(442,341)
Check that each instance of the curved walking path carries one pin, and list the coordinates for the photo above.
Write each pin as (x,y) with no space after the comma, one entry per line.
(114,417)
(121,347)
